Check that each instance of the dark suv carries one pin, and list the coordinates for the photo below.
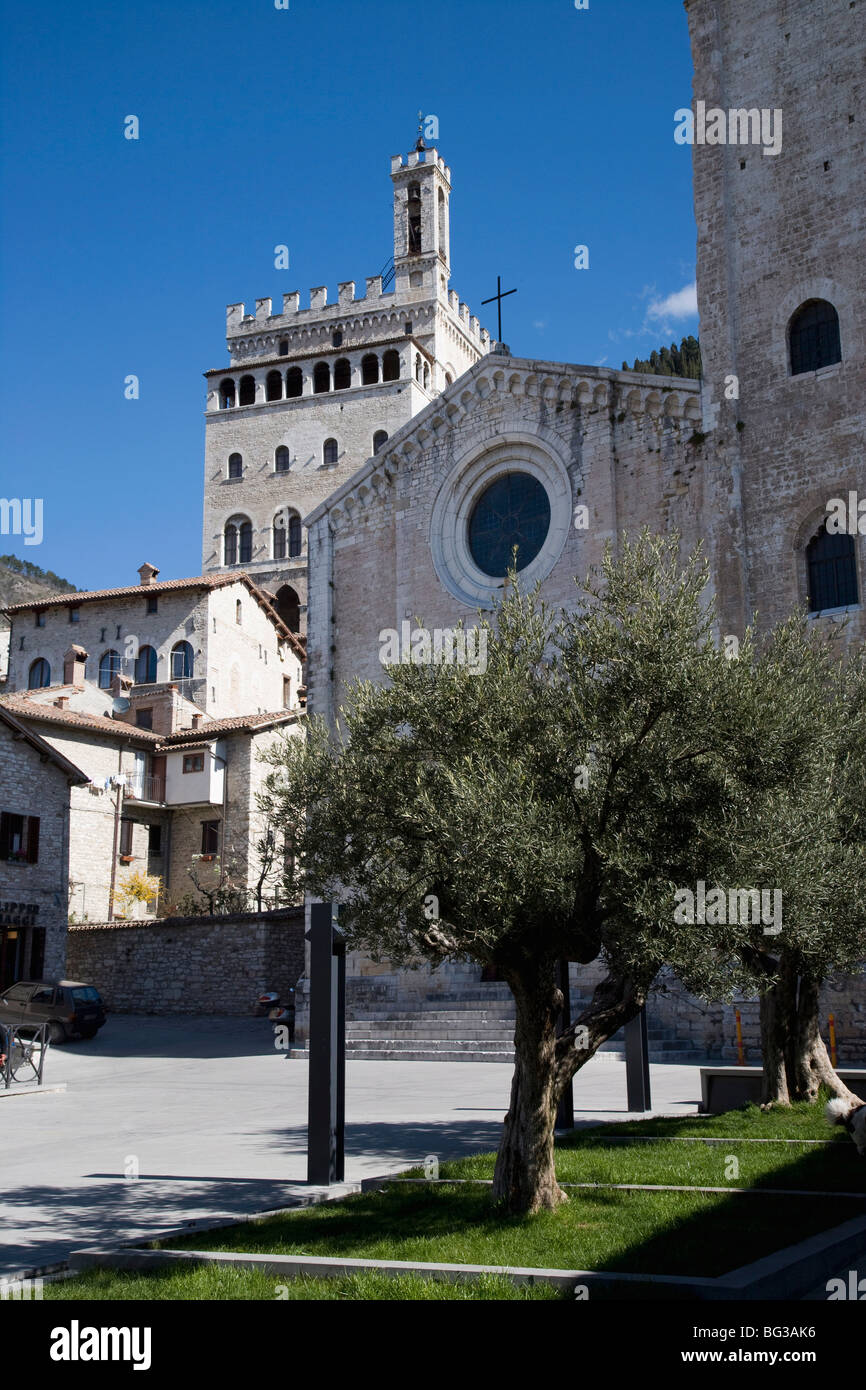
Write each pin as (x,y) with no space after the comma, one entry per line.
(70,1008)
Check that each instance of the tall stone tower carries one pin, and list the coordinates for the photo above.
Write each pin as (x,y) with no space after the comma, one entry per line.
(782,297)
(310,394)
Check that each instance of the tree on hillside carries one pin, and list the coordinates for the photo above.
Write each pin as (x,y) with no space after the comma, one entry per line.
(684,360)
(549,807)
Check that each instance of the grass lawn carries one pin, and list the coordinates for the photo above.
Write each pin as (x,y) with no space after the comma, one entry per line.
(687,1233)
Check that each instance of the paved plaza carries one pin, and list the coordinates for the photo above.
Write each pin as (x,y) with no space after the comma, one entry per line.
(215,1119)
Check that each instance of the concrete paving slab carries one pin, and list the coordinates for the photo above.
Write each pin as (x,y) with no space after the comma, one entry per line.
(213,1118)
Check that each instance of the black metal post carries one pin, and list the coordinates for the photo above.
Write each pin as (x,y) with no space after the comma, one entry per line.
(637,1072)
(565,1109)
(327,1048)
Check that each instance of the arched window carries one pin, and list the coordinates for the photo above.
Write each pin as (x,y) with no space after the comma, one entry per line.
(227,394)
(236,466)
(379,438)
(321,378)
(417,366)
(282,461)
(39,675)
(294,382)
(283,349)
(342,374)
(449,380)
(274,386)
(239,612)
(426,376)
(391,365)
(330,451)
(337,338)
(814,337)
(831,571)
(247,391)
(145,666)
(109,667)
(369,369)
(181,661)
(238,541)
(288,606)
(413,209)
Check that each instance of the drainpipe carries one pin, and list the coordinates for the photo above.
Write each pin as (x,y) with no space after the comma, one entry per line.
(113,879)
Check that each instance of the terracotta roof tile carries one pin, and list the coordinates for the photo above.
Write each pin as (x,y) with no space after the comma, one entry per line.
(26,708)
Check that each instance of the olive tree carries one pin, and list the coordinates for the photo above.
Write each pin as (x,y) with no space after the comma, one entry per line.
(548,807)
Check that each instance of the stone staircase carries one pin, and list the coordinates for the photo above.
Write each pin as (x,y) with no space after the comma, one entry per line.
(476,1025)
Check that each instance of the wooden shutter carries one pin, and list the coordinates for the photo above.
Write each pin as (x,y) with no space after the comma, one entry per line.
(32,839)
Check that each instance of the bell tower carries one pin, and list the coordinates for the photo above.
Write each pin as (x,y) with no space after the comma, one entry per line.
(422,193)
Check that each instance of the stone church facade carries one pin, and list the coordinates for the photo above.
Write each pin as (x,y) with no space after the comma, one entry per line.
(749,460)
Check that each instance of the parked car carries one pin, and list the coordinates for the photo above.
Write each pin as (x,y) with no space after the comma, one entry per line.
(70,1008)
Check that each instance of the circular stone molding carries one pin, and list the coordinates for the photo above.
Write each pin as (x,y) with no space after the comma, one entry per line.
(449,523)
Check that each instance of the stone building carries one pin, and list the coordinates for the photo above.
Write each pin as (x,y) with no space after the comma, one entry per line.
(216,638)
(37,783)
(170,691)
(756,460)
(310,393)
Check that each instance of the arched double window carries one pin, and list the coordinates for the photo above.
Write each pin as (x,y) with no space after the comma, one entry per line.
(287,534)
(282,459)
(236,466)
(181,661)
(831,571)
(391,365)
(813,337)
(274,386)
(321,378)
(369,369)
(342,374)
(379,438)
(294,382)
(145,666)
(39,674)
(109,667)
(238,541)
(227,393)
(330,451)
(247,391)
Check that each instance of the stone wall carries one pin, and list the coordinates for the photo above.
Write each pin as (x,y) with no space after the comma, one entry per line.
(189,965)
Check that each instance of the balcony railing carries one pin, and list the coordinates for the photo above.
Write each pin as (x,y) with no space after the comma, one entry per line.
(145,789)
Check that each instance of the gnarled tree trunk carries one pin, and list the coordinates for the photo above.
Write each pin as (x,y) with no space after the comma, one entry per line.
(778,1004)
(809,1066)
(524,1179)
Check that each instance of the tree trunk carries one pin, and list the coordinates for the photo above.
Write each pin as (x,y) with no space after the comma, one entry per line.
(777,1019)
(524,1180)
(809,1066)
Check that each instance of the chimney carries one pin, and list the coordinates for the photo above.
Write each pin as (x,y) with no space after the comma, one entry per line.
(196,721)
(62,701)
(73,666)
(147,573)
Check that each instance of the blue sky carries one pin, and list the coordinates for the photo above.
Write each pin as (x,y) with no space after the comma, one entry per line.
(261,126)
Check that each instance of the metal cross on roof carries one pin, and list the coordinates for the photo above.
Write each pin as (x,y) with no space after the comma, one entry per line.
(498,298)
